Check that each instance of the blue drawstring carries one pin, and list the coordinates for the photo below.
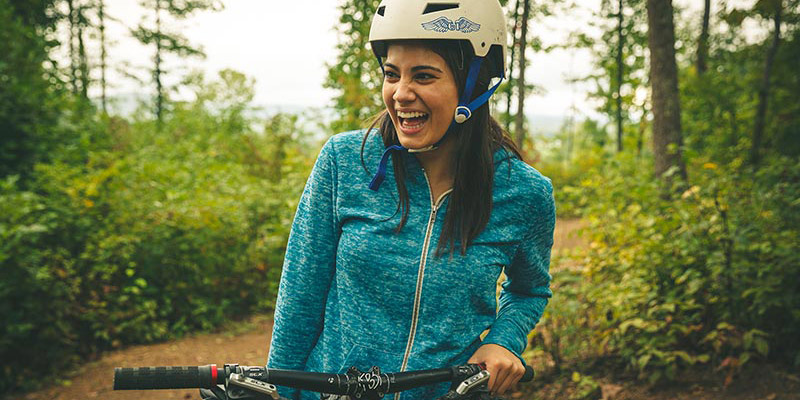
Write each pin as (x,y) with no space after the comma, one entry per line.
(381,174)
(463,113)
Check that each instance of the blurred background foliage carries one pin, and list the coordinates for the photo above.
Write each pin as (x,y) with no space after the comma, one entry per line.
(120,230)
(707,276)
(117,230)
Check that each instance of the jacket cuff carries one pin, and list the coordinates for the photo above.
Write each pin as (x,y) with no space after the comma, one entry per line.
(507,337)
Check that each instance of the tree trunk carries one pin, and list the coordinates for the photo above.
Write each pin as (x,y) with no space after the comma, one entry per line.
(763,92)
(523,43)
(620,67)
(511,68)
(73,57)
(83,63)
(667,136)
(102,17)
(702,45)
(157,72)
(642,128)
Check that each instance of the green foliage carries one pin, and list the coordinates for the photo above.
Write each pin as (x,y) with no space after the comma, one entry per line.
(719,107)
(154,236)
(566,326)
(586,387)
(567,158)
(705,277)
(356,74)
(29,107)
(711,277)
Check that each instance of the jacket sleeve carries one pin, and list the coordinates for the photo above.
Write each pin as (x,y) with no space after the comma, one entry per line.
(526,290)
(308,269)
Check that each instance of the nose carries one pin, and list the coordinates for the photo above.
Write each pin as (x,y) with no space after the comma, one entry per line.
(404,92)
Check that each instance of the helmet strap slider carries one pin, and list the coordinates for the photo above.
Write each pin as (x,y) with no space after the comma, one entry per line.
(463,113)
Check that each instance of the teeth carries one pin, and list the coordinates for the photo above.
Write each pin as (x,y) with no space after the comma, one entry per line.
(414,114)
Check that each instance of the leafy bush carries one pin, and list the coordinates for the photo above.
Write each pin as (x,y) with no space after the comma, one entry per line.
(163,233)
(708,277)
(567,170)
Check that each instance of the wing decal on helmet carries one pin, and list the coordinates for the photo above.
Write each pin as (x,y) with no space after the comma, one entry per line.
(444,24)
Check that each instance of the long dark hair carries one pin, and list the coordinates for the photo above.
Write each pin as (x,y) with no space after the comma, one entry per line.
(476,140)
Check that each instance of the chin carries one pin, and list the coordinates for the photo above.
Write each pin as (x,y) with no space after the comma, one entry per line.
(412,143)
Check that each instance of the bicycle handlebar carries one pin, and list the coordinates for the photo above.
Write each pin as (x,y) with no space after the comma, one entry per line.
(528,375)
(208,376)
(200,377)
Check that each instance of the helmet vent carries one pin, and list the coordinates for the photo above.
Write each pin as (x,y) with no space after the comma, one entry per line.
(436,7)
(381,10)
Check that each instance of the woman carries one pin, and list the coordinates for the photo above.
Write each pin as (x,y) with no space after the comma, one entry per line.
(402,275)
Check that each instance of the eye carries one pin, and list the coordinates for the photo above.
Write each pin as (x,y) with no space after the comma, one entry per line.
(423,76)
(390,75)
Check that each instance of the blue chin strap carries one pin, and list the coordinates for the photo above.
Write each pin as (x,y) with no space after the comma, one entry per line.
(462,114)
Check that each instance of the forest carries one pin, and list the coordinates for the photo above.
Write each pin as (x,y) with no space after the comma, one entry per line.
(115,229)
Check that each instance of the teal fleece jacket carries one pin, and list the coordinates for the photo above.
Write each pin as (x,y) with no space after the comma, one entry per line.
(354,292)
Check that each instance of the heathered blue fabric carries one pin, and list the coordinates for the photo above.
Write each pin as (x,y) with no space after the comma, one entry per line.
(348,286)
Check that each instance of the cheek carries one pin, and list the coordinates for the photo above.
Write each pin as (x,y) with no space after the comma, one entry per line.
(447,103)
(387,94)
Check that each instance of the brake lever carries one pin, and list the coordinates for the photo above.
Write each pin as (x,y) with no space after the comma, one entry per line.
(254,385)
(474,387)
(472,382)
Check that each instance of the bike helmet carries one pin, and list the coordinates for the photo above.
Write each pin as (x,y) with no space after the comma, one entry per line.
(479,22)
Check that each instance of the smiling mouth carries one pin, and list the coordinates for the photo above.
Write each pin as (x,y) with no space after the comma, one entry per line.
(412,121)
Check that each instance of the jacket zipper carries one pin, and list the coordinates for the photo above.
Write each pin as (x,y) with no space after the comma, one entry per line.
(421,272)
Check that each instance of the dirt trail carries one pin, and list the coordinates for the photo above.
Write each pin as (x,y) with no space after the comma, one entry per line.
(94,381)
(566,235)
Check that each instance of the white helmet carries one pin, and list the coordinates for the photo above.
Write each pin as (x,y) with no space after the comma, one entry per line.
(481,22)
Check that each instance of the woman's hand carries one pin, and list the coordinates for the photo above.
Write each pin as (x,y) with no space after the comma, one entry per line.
(504,367)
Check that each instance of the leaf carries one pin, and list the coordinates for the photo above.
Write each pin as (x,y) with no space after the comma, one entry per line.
(654,377)
(643,360)
(748,339)
(685,357)
(744,358)
(635,322)
(762,346)
(729,362)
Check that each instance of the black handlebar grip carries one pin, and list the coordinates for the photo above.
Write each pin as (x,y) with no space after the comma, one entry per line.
(529,373)
(165,377)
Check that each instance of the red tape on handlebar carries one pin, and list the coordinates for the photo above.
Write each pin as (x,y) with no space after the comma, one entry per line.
(213,374)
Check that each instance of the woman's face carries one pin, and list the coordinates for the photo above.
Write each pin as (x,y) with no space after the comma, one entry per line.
(420,93)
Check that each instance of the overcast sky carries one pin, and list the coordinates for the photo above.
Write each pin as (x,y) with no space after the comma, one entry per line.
(285,45)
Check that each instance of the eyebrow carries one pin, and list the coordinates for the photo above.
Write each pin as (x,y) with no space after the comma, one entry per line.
(416,68)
